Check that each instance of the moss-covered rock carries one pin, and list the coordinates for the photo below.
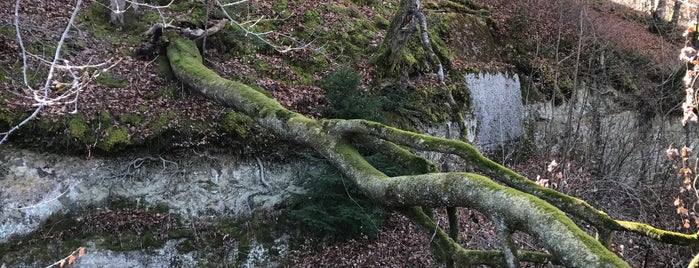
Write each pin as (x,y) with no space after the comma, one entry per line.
(234,122)
(114,138)
(77,126)
(120,226)
(111,80)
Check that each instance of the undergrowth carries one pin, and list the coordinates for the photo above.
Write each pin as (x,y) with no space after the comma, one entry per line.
(333,207)
(347,99)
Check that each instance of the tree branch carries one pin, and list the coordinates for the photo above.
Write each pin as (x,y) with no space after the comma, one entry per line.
(659,234)
(465,258)
(468,153)
(569,204)
(52,67)
(508,244)
(556,232)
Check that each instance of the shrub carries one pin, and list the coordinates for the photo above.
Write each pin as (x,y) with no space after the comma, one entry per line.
(334,207)
(347,100)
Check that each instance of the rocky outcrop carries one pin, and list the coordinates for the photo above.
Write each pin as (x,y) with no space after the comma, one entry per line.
(195,188)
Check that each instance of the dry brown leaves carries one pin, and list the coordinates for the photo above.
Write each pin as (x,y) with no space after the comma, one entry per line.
(403,244)
(137,221)
(602,20)
(400,244)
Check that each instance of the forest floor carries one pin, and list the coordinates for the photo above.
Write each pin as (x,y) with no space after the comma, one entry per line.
(400,243)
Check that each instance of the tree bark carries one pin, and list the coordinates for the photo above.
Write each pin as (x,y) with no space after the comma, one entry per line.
(551,227)
(660,10)
(402,27)
(676,10)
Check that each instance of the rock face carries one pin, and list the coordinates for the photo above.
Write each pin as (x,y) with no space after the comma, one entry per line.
(198,188)
(616,142)
(497,105)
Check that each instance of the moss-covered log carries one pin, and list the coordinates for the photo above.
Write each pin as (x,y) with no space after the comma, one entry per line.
(468,153)
(572,246)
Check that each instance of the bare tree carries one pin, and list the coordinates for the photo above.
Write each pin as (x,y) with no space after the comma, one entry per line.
(64,81)
(118,8)
(659,10)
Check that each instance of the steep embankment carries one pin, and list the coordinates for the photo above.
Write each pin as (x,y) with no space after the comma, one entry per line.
(136,104)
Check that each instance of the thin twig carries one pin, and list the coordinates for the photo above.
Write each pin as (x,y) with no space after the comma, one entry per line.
(52,199)
(51,69)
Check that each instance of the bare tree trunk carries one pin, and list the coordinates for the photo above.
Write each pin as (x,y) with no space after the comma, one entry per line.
(676,11)
(660,10)
(402,27)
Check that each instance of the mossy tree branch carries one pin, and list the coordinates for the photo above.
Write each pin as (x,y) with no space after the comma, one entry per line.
(330,138)
(659,234)
(463,257)
(468,153)
(579,208)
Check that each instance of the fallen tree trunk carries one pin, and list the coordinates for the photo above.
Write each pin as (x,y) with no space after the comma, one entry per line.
(330,138)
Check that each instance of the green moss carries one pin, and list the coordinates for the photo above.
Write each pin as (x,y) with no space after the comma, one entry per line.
(263,67)
(237,123)
(6,120)
(195,11)
(9,118)
(133,119)
(110,80)
(354,159)
(8,30)
(129,240)
(311,18)
(105,118)
(303,77)
(413,59)
(185,57)
(170,92)
(381,22)
(114,139)
(667,237)
(163,69)
(369,3)
(143,108)
(97,16)
(280,6)
(77,126)
(160,124)
(335,8)
(46,125)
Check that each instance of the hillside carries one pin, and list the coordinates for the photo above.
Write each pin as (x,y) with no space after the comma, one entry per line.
(126,95)
(138,105)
